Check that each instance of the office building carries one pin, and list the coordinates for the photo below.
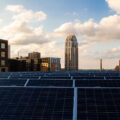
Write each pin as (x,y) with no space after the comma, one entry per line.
(71,53)
(15,65)
(25,63)
(35,60)
(50,64)
(3,55)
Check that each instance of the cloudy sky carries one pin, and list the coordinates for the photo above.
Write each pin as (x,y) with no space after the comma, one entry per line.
(43,25)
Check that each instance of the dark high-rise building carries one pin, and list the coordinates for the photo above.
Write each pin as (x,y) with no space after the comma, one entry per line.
(3,55)
(71,53)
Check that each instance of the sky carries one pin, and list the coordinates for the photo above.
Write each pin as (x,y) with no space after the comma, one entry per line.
(43,25)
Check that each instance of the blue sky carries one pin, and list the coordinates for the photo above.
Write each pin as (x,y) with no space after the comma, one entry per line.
(62,11)
(58,18)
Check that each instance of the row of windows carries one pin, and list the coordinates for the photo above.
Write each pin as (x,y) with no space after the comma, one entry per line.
(3,46)
(3,54)
(2,62)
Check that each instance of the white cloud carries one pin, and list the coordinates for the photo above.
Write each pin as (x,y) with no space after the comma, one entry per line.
(40,15)
(114,4)
(1,20)
(19,32)
(113,53)
(26,15)
(108,54)
(84,46)
(25,49)
(64,29)
(15,8)
(106,30)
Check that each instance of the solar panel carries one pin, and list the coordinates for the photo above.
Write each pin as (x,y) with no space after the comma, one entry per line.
(97,83)
(60,83)
(51,77)
(23,77)
(98,104)
(36,103)
(16,78)
(12,82)
(113,78)
(95,73)
(88,78)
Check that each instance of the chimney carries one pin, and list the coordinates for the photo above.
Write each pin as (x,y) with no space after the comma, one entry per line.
(119,65)
(100,64)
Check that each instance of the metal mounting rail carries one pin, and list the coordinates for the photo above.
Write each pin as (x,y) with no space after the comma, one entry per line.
(26,82)
(39,77)
(75,105)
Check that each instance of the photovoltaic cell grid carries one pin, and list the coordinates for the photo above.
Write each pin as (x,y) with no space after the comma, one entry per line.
(96,78)
(24,77)
(98,104)
(36,103)
(12,82)
(97,83)
(17,78)
(88,78)
(60,83)
(95,74)
(113,78)
(54,77)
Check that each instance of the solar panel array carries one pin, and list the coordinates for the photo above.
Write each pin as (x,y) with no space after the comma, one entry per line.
(36,103)
(66,95)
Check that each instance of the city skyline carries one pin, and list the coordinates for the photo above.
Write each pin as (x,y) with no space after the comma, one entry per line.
(32,26)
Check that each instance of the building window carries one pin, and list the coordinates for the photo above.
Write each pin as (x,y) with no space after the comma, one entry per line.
(2,54)
(3,45)
(2,62)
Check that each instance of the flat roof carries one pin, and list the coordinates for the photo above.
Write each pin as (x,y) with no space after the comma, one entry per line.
(3,40)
